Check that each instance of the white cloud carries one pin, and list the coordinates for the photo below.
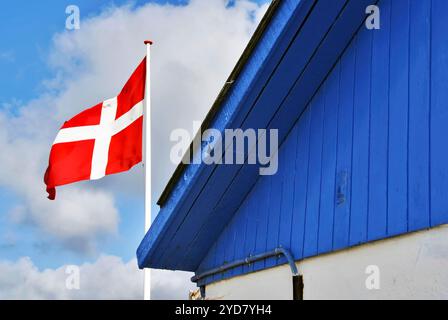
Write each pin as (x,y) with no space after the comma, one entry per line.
(107,278)
(80,215)
(195,48)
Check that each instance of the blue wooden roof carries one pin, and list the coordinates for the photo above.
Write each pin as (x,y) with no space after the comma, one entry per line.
(295,52)
(362,119)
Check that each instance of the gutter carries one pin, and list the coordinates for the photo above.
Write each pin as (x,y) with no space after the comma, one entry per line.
(297,279)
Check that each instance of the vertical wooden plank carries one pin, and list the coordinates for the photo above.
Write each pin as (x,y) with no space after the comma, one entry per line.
(330,138)
(360,160)
(344,153)
(439,113)
(262,225)
(314,176)
(231,229)
(208,262)
(398,118)
(251,229)
(281,183)
(379,117)
(239,223)
(419,104)
(219,258)
(225,237)
(301,185)
(274,212)
(290,146)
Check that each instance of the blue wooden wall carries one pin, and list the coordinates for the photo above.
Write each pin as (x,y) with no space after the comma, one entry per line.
(368,158)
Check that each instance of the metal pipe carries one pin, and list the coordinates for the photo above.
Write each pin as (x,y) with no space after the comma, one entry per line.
(250,259)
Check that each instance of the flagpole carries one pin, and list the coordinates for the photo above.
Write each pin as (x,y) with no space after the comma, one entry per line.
(147,160)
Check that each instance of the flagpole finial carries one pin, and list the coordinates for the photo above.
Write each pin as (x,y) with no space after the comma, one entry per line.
(148,42)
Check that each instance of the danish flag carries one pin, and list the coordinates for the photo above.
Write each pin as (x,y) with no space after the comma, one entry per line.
(102,140)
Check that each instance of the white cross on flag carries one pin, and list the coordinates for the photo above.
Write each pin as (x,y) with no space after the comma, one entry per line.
(102,140)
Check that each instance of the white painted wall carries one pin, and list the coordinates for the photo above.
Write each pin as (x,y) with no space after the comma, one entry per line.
(412,266)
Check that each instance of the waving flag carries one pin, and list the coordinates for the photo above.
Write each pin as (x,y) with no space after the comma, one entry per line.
(102,140)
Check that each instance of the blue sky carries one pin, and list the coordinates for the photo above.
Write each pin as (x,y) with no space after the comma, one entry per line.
(23,54)
(28,27)
(32,32)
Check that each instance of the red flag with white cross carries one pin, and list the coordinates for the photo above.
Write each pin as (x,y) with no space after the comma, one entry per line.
(102,140)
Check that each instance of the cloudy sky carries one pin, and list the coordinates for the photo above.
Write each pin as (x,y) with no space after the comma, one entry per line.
(48,74)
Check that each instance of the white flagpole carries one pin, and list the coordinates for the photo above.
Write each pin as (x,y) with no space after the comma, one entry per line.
(147,160)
